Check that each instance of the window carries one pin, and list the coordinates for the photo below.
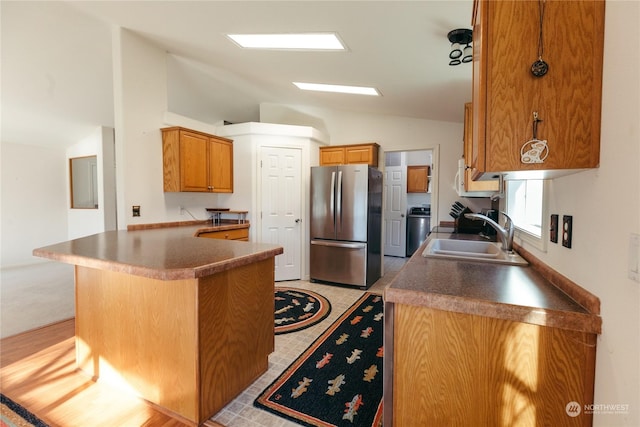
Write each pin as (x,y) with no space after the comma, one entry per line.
(526,205)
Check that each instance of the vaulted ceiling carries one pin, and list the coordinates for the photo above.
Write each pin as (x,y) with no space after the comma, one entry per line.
(57,66)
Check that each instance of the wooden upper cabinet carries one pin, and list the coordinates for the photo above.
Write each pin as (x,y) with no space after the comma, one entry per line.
(196,162)
(506,94)
(418,179)
(350,154)
(330,156)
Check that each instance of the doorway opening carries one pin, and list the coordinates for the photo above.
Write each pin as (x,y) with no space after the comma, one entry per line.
(411,182)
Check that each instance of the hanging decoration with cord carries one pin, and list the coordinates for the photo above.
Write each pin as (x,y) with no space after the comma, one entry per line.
(540,68)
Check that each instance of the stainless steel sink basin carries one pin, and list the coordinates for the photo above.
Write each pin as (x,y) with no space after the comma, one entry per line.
(471,250)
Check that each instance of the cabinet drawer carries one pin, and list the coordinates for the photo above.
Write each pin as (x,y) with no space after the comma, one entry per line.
(235,234)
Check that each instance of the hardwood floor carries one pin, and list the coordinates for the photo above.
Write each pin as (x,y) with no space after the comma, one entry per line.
(38,371)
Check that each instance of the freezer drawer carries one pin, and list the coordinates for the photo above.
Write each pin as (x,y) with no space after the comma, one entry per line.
(339,262)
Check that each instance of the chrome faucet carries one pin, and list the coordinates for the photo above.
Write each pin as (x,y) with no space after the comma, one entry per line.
(505,233)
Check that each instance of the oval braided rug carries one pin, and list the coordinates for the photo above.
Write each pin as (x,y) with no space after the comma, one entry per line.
(297,309)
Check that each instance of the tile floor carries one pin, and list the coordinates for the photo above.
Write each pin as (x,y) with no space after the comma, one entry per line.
(241,412)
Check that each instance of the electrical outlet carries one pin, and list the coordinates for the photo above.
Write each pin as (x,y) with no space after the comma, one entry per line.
(553,229)
(567,225)
(135,210)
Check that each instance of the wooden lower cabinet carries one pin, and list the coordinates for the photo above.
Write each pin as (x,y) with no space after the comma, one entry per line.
(460,369)
(233,234)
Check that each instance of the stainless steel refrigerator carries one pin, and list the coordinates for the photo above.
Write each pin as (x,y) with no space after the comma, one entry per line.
(346,221)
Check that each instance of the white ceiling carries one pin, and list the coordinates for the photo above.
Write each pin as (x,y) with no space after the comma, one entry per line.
(56,60)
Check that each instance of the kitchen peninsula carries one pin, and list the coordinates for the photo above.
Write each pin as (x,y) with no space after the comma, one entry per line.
(184,322)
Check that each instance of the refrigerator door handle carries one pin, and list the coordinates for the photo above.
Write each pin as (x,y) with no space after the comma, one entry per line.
(339,203)
(346,245)
(332,198)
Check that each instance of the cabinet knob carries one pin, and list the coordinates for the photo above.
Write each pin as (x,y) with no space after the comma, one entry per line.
(298,220)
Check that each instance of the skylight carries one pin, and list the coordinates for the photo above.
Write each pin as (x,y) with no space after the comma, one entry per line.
(357,90)
(303,41)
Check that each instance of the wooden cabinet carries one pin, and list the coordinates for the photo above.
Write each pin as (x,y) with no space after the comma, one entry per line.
(452,368)
(506,94)
(233,234)
(470,185)
(418,179)
(349,154)
(196,162)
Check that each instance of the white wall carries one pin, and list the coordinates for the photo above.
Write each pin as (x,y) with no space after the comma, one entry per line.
(392,133)
(605,204)
(34,201)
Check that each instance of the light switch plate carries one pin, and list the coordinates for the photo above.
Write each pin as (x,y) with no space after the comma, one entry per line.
(567,223)
(553,229)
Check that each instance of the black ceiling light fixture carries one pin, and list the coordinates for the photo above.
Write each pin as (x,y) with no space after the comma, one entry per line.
(459,38)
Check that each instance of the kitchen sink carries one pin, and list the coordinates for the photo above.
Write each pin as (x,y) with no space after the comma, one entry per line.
(471,250)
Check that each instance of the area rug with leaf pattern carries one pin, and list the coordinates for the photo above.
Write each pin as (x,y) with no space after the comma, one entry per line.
(337,381)
(13,414)
(297,309)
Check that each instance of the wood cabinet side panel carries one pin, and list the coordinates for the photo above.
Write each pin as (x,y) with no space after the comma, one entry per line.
(171,159)
(141,333)
(477,161)
(236,332)
(469,184)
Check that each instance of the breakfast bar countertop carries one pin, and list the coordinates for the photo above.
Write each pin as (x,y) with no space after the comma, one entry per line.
(508,292)
(165,253)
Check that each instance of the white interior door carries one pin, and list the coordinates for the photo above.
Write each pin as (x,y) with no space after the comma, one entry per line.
(395,210)
(281,205)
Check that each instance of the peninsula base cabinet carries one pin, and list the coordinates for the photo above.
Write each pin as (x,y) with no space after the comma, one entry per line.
(189,346)
(447,368)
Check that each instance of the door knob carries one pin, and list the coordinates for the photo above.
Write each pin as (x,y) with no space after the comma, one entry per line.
(298,220)
(401,215)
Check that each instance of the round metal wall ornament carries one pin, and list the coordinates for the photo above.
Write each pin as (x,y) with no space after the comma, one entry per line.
(539,68)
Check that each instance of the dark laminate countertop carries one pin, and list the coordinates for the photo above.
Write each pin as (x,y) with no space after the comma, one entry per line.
(165,253)
(503,291)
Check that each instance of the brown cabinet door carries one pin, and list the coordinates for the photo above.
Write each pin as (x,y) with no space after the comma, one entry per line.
(418,179)
(331,156)
(220,166)
(362,154)
(506,95)
(194,171)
